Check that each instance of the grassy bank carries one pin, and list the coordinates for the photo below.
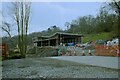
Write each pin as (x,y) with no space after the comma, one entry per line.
(94,37)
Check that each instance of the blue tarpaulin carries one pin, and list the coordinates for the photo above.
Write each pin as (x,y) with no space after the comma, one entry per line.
(71,44)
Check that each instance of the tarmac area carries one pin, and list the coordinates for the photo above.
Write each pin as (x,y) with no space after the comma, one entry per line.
(102,61)
(48,67)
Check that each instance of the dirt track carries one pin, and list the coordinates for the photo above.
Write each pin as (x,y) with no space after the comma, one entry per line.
(52,68)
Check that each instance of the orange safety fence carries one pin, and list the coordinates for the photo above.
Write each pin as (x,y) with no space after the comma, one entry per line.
(101,50)
(4,50)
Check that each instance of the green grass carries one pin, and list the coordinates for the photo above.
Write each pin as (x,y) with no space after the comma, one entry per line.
(94,37)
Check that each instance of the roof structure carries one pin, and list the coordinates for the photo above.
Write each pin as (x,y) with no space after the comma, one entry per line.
(61,34)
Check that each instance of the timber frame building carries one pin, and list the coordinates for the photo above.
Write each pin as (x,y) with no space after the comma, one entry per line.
(57,38)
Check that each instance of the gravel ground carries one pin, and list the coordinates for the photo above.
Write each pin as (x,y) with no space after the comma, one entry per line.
(52,68)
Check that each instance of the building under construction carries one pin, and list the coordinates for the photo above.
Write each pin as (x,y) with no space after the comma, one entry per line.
(57,38)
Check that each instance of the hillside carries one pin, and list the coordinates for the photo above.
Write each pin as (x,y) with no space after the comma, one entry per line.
(94,37)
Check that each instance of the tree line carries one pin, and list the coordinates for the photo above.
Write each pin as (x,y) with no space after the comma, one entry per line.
(103,22)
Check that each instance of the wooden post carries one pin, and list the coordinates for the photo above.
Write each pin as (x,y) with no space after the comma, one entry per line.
(81,39)
(48,42)
(41,43)
(57,39)
(63,39)
(71,40)
(74,40)
(56,42)
(78,39)
(36,49)
(67,41)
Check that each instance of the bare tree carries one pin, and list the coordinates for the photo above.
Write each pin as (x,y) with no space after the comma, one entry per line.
(6,27)
(21,14)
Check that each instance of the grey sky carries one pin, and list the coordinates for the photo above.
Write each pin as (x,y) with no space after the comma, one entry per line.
(46,14)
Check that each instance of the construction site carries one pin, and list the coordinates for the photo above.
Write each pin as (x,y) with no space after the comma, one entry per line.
(60,39)
(66,44)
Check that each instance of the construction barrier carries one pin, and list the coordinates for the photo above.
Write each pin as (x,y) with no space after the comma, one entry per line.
(101,50)
(75,53)
(89,52)
(4,49)
(70,53)
(63,54)
(66,53)
(83,53)
(118,53)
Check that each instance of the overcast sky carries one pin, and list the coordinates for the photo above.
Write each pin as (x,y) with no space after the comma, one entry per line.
(46,14)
